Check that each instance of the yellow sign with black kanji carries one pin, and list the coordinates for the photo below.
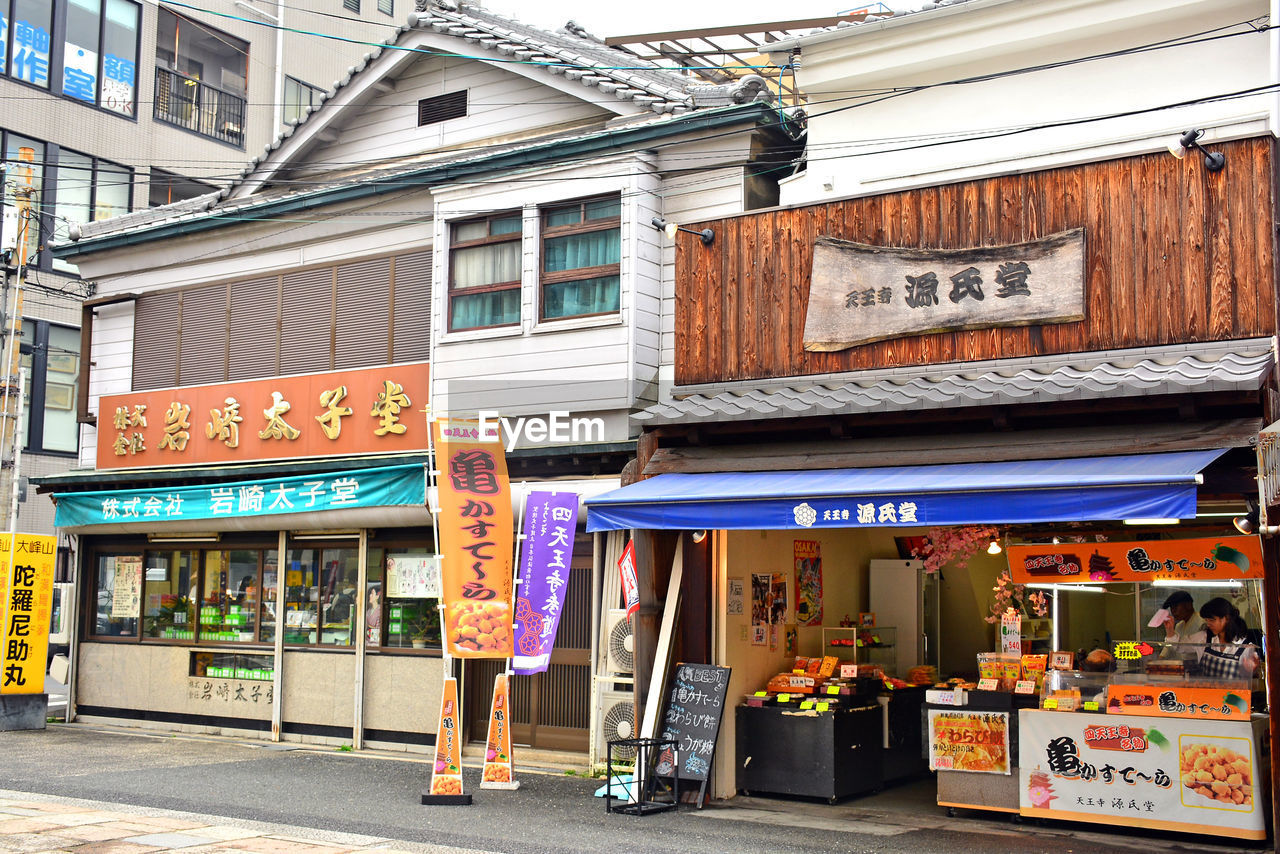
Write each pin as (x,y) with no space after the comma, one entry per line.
(26,588)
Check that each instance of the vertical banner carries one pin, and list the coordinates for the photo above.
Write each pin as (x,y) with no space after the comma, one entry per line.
(808,556)
(476,539)
(630,585)
(497,754)
(27,591)
(446,776)
(550,519)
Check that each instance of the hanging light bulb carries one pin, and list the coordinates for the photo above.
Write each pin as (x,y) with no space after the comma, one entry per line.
(994,548)
(1056,541)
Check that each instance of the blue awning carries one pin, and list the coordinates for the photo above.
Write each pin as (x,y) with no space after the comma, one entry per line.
(1066,490)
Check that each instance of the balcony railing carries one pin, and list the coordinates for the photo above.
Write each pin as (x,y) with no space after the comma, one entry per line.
(192,104)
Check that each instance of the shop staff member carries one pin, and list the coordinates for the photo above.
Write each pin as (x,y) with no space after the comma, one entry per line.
(1230,653)
(1182,625)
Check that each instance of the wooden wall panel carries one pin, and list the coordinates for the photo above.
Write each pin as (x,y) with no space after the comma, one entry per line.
(1174,254)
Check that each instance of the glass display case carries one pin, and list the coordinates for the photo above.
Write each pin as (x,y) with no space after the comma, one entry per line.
(863,645)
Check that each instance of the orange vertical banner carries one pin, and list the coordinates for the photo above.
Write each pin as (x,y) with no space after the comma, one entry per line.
(497,755)
(446,776)
(477,538)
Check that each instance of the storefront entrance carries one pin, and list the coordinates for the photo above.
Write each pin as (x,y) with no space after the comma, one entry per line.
(551,710)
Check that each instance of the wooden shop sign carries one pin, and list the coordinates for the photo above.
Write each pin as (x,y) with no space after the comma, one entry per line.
(860,293)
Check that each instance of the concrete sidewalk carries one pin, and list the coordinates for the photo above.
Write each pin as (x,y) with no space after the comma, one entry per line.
(39,824)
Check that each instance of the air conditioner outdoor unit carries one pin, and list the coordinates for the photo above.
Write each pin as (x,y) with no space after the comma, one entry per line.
(615,719)
(620,640)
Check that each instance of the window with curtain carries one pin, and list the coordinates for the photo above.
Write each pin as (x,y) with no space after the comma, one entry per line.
(581,247)
(484,272)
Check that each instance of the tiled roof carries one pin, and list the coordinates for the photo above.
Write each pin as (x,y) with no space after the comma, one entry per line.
(570,53)
(1208,367)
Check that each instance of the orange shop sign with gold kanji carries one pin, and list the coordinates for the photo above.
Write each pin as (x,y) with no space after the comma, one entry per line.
(476,538)
(1202,558)
(26,590)
(363,411)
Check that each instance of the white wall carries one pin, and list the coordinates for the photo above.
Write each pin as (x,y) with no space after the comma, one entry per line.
(872,144)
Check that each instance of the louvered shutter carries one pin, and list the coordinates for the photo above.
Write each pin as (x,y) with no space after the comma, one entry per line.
(411,308)
(364,299)
(306,322)
(255,329)
(202,356)
(155,341)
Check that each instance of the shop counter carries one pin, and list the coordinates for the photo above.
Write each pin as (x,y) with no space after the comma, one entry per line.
(830,754)
(973,748)
(1170,773)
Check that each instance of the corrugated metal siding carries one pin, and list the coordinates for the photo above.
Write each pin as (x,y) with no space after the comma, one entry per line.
(255,325)
(202,335)
(306,322)
(411,307)
(155,323)
(364,299)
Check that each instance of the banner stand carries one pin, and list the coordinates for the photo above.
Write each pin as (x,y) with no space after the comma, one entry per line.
(499,772)
(446,786)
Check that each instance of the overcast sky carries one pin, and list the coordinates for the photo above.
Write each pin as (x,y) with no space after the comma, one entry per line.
(605,18)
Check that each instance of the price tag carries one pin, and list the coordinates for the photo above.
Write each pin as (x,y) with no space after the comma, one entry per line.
(762,693)
(1051,704)
(988,684)
(784,698)
(807,704)
(875,639)
(823,707)
(1024,686)
(859,642)
(1091,705)
(833,689)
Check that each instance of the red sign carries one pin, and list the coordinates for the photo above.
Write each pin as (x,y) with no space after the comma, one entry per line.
(1181,560)
(363,411)
(1130,739)
(630,586)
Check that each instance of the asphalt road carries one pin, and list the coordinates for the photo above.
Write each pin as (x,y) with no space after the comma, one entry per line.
(555,813)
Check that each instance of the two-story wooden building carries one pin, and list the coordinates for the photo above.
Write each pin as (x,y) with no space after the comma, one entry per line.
(463,224)
(993,298)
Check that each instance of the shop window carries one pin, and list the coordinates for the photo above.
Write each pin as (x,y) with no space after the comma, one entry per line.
(484,272)
(51,362)
(229,595)
(232,665)
(96,59)
(320,596)
(117,584)
(399,622)
(169,611)
(580,258)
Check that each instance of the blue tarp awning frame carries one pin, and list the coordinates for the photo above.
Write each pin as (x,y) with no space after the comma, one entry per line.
(1078,489)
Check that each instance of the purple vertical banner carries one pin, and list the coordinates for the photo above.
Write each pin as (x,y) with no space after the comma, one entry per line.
(550,519)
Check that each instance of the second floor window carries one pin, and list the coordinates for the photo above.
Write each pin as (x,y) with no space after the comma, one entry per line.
(95,61)
(484,272)
(51,361)
(580,258)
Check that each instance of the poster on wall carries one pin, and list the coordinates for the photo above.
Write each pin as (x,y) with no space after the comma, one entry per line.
(734,597)
(761,597)
(759,635)
(1171,773)
(962,740)
(127,593)
(808,556)
(413,576)
(777,599)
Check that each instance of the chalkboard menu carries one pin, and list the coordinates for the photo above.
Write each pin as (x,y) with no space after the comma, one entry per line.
(694,706)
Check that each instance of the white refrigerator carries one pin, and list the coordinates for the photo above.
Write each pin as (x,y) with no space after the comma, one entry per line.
(903,596)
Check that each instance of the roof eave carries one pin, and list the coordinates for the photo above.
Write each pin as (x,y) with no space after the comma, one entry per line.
(540,153)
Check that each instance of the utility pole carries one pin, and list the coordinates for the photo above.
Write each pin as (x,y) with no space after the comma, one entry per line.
(14,379)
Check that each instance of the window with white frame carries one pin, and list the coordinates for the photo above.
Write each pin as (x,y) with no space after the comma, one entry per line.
(484,272)
(580,258)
